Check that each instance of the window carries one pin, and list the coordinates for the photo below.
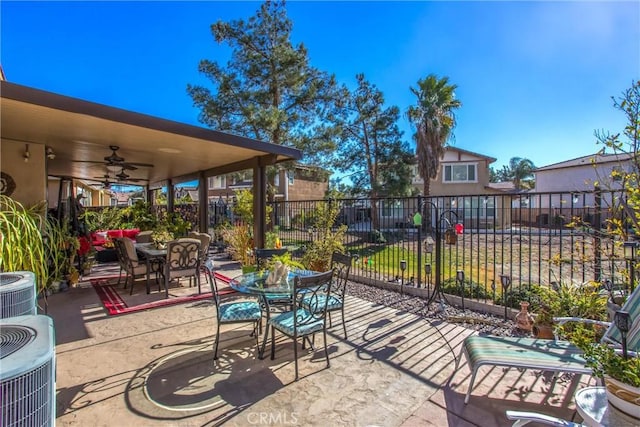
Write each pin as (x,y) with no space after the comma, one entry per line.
(276,180)
(290,175)
(460,173)
(219,182)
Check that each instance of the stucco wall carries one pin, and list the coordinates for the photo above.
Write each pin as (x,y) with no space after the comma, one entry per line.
(579,178)
(30,177)
(440,188)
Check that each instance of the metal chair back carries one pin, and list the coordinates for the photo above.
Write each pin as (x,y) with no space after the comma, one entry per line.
(264,255)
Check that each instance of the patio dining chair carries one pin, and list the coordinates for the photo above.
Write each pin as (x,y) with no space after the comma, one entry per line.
(183,260)
(264,255)
(128,260)
(247,311)
(302,322)
(541,354)
(205,241)
(341,265)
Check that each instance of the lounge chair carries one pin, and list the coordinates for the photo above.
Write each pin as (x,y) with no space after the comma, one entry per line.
(545,355)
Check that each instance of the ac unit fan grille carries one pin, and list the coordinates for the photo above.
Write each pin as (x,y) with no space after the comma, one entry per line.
(6,279)
(13,338)
(27,400)
(17,303)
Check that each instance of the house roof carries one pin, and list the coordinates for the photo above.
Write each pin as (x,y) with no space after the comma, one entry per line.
(505,187)
(597,158)
(80,133)
(471,153)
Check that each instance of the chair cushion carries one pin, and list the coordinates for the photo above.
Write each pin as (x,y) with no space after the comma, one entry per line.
(114,234)
(284,322)
(182,273)
(239,311)
(524,352)
(139,269)
(131,233)
(334,302)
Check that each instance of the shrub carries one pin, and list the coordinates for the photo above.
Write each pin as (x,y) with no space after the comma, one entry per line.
(239,243)
(471,289)
(329,240)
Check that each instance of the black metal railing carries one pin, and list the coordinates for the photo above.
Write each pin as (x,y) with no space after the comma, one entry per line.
(532,238)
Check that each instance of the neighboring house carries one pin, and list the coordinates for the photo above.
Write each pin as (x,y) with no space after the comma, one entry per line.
(574,180)
(461,173)
(462,186)
(301,183)
(188,193)
(564,190)
(581,175)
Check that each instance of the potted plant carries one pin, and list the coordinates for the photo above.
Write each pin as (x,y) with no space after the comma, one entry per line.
(22,246)
(543,323)
(61,247)
(566,300)
(330,237)
(285,259)
(621,376)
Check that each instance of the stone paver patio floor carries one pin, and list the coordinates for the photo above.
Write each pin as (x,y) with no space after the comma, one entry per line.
(156,367)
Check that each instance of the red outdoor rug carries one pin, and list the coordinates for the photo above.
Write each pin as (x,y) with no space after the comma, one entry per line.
(117,300)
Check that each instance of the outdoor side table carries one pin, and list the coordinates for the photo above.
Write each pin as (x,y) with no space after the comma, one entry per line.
(593,407)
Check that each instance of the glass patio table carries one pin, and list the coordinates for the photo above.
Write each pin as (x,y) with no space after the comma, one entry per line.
(255,283)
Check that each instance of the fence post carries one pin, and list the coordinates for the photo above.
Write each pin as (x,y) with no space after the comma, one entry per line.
(597,241)
(419,225)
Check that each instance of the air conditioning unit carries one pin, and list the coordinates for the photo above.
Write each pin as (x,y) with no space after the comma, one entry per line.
(27,377)
(17,294)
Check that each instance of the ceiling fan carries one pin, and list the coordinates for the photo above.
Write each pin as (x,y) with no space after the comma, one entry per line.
(115,160)
(121,178)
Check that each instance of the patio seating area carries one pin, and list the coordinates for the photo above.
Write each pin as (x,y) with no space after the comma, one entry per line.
(156,367)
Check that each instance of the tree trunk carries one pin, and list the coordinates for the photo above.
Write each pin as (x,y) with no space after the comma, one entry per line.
(426,187)
(375,215)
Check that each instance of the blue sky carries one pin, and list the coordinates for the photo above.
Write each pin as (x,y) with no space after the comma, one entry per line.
(535,78)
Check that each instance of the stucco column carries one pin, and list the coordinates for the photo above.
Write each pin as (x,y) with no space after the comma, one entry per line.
(171,194)
(203,203)
(259,205)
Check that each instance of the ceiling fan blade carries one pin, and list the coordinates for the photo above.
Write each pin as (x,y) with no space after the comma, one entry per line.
(142,165)
(97,162)
(127,166)
(115,160)
(122,176)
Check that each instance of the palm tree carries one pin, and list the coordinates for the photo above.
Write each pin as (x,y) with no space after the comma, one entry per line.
(521,172)
(434,119)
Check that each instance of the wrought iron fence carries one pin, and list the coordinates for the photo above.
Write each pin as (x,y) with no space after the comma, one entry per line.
(532,238)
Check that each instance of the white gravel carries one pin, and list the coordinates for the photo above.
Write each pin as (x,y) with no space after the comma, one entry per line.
(481,322)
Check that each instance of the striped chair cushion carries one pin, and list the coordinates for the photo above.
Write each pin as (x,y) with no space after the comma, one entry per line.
(524,352)
(284,322)
(240,311)
(632,306)
(333,303)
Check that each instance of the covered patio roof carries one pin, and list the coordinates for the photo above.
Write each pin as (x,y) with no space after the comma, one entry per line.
(78,131)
